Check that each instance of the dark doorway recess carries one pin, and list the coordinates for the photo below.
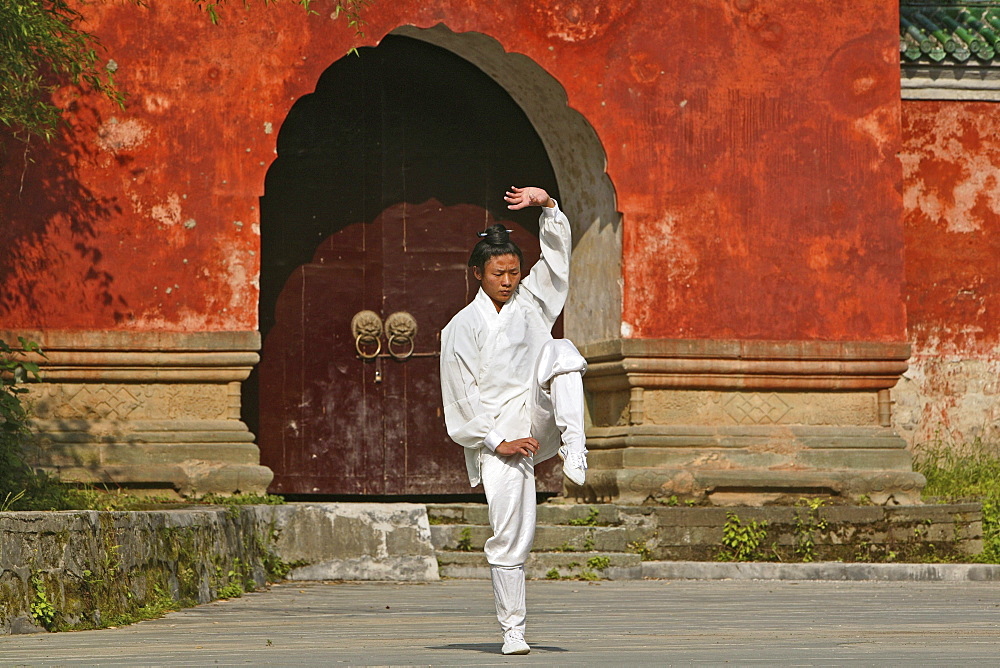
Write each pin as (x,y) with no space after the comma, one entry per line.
(384,176)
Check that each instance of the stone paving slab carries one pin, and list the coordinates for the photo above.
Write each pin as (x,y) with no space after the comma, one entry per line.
(627,623)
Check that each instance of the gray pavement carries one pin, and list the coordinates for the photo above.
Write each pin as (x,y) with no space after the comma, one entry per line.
(625,623)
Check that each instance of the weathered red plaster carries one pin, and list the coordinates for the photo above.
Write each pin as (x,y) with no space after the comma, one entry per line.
(951,170)
(951,163)
(751,145)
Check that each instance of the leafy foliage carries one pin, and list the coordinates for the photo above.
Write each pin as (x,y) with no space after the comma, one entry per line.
(41,607)
(807,527)
(741,541)
(20,487)
(41,44)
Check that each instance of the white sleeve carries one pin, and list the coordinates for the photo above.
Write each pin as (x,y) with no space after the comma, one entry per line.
(548,281)
(467,421)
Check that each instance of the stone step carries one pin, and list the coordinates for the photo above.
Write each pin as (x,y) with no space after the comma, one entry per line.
(548,538)
(694,533)
(603,514)
(540,565)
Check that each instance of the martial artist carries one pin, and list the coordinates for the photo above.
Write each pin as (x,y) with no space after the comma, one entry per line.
(513,396)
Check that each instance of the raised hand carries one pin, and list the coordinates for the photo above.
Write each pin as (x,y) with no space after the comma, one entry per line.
(520,198)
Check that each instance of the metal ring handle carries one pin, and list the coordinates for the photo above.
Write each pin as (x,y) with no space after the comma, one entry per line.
(367,339)
(405,340)
(367,328)
(400,328)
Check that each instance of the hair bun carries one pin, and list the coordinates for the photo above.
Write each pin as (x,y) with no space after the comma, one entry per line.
(495,241)
(496,235)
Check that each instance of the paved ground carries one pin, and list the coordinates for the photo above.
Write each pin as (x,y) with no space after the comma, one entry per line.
(636,623)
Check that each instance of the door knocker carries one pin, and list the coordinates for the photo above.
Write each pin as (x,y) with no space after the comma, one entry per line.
(400,331)
(367,329)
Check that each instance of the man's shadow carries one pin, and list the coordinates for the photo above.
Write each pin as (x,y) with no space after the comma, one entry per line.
(494,648)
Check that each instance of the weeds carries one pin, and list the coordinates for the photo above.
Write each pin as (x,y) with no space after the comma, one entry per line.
(41,607)
(969,472)
(586,575)
(959,473)
(599,563)
(641,548)
(10,500)
(741,541)
(806,528)
(589,521)
(465,540)
(159,605)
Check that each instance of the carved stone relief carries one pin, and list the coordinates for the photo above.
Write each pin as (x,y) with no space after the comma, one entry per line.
(760,408)
(120,402)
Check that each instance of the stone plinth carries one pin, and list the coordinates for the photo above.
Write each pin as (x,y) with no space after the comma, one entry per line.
(156,411)
(353,541)
(744,421)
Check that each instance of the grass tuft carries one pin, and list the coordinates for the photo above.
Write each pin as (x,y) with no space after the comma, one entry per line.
(966,472)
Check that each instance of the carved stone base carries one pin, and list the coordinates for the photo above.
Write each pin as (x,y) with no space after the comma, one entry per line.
(158,412)
(744,422)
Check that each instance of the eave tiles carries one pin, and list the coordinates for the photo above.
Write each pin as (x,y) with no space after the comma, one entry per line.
(934,32)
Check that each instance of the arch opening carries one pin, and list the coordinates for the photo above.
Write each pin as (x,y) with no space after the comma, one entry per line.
(383,174)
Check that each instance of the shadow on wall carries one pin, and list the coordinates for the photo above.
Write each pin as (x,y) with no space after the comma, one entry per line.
(50,227)
(71,450)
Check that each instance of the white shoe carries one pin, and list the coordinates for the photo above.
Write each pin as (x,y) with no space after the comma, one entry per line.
(513,643)
(574,464)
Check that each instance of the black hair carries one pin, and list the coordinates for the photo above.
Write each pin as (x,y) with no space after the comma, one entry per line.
(496,241)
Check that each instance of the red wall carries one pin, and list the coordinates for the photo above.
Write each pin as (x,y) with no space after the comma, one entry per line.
(951,164)
(751,144)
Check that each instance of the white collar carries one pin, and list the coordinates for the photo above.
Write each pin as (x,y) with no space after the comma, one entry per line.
(489,309)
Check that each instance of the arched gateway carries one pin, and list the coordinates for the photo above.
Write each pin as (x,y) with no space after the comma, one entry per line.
(383,176)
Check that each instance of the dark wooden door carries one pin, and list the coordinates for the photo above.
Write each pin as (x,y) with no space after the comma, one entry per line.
(339,424)
(343,229)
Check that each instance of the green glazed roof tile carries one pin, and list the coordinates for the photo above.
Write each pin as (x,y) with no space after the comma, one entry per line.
(957,32)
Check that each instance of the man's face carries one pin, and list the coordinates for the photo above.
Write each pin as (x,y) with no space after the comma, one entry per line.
(499,278)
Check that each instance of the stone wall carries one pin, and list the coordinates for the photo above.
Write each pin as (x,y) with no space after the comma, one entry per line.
(88,568)
(827,533)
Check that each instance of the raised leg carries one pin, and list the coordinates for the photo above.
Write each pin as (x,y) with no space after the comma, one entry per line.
(557,411)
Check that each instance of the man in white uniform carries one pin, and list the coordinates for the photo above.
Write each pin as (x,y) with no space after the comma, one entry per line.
(513,396)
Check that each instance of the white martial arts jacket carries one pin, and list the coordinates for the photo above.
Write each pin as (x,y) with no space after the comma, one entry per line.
(488,357)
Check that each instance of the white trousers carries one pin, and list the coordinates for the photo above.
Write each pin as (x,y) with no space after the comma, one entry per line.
(556,409)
